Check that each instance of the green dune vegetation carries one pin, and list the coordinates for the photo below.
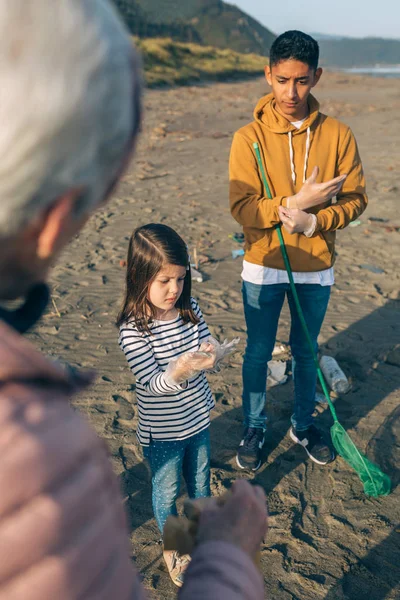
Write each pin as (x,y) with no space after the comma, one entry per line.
(167,62)
(206,22)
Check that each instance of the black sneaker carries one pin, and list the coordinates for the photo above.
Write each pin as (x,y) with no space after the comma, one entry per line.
(314,443)
(249,453)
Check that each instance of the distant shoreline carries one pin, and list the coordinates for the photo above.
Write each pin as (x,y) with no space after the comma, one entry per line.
(389,71)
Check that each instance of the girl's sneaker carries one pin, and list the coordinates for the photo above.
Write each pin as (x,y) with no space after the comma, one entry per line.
(250,449)
(176,565)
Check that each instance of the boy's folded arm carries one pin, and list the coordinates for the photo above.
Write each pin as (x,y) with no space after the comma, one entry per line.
(352,200)
(249,206)
(348,208)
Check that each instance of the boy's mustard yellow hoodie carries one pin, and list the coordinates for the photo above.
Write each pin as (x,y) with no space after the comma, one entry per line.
(289,156)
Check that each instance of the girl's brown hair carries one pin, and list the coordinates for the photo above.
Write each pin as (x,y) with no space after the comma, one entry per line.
(150,248)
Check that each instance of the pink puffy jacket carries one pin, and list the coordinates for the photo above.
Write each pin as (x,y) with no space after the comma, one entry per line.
(62,527)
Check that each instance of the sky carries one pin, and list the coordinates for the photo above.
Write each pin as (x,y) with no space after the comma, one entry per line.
(354,18)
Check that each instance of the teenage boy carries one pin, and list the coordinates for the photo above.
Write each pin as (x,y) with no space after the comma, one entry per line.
(310,159)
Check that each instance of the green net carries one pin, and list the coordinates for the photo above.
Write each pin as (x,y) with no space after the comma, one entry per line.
(375,482)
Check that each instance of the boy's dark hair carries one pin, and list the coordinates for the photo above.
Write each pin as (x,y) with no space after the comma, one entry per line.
(295,45)
(151,247)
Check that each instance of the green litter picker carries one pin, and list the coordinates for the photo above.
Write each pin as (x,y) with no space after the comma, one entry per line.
(375,482)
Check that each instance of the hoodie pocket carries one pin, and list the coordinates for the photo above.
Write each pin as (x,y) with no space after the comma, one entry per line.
(265,248)
(327,243)
(263,243)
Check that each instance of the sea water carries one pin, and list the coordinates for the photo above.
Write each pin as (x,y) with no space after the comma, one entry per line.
(390,71)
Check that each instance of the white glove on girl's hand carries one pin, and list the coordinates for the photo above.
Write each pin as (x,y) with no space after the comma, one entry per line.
(221,350)
(190,364)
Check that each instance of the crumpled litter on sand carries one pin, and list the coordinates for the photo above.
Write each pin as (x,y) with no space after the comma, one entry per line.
(280,350)
(378,220)
(372,268)
(276,373)
(320,398)
(237,253)
(196,275)
(237,237)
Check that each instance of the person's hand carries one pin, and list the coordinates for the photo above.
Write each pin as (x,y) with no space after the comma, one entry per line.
(312,193)
(241,521)
(190,364)
(62,527)
(295,220)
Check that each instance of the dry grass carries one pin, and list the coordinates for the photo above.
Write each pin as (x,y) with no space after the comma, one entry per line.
(167,62)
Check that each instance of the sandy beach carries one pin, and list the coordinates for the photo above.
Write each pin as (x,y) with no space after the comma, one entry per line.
(327,540)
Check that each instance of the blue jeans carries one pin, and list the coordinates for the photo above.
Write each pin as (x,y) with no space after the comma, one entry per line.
(262,308)
(168,460)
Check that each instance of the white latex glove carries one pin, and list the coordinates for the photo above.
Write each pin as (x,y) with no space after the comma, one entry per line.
(221,350)
(295,220)
(190,364)
(313,193)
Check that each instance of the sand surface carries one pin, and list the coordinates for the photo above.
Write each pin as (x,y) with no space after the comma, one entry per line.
(327,540)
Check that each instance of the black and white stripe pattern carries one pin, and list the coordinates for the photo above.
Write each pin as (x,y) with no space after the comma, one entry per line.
(167,412)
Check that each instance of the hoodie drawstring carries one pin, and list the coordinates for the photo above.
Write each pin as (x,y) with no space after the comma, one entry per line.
(292,158)
(307,153)
(291,153)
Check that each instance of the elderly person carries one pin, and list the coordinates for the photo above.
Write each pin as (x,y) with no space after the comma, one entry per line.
(69,105)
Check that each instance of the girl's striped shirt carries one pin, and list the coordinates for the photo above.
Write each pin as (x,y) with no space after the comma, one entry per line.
(167,412)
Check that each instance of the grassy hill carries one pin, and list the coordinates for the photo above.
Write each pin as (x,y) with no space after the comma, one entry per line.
(169,62)
(168,11)
(222,25)
(207,22)
(141,24)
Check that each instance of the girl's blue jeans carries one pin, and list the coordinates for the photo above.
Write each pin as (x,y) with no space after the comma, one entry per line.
(168,460)
(262,308)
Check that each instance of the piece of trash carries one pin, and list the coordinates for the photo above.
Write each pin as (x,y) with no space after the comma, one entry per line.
(122,263)
(378,219)
(237,253)
(203,259)
(196,275)
(355,223)
(334,375)
(372,268)
(276,373)
(279,349)
(195,259)
(320,398)
(217,135)
(145,177)
(237,237)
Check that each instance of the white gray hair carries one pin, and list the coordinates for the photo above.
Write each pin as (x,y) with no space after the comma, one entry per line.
(68,82)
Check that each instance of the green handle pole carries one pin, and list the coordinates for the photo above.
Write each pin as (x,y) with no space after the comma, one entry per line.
(294,291)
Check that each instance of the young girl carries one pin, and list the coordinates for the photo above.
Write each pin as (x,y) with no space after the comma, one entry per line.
(164,338)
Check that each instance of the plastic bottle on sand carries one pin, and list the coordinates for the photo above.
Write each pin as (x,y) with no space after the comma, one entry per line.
(334,375)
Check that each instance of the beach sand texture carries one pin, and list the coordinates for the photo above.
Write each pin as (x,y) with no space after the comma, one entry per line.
(327,540)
